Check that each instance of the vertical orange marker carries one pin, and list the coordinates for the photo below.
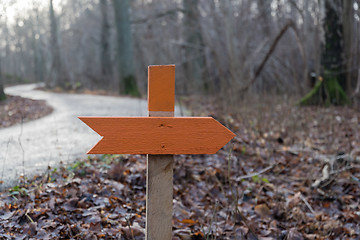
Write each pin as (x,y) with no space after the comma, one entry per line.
(161,90)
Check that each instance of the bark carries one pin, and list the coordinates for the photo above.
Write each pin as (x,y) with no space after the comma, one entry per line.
(106,68)
(171,12)
(308,41)
(38,56)
(2,93)
(264,7)
(7,41)
(194,49)
(125,51)
(356,94)
(58,75)
(348,27)
(231,49)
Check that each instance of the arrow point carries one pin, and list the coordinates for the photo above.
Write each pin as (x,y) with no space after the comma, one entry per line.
(232,135)
(227,132)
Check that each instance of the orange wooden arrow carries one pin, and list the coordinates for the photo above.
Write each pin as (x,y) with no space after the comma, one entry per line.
(158,135)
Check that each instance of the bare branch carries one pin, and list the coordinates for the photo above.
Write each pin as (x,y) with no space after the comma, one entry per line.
(290,24)
(156,16)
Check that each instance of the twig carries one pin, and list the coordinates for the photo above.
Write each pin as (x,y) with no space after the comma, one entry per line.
(30,219)
(256,173)
(21,146)
(356,150)
(220,184)
(129,226)
(330,162)
(188,45)
(159,15)
(212,219)
(246,221)
(307,204)
(347,157)
(341,170)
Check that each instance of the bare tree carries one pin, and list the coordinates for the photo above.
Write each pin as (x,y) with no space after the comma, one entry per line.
(38,55)
(264,7)
(58,74)
(195,67)
(7,50)
(348,35)
(125,51)
(2,93)
(106,66)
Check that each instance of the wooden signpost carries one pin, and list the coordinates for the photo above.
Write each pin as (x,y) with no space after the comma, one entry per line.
(161,135)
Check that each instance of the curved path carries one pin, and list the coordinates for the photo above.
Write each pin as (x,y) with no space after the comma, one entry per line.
(60,136)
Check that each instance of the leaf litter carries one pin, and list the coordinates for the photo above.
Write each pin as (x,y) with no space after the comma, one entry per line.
(260,186)
(15,110)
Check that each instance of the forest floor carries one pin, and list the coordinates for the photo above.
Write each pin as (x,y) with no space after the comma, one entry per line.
(15,110)
(290,173)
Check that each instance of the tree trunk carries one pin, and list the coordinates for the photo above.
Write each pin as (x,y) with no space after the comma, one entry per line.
(194,47)
(38,56)
(106,67)
(6,35)
(348,27)
(2,93)
(330,89)
(264,7)
(125,51)
(58,75)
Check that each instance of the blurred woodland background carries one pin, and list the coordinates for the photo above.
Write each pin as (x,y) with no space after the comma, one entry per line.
(228,48)
(290,173)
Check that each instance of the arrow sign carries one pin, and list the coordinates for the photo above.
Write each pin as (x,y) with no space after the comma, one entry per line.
(161,135)
(158,135)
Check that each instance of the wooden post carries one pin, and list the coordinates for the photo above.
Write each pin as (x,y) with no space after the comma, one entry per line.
(159,177)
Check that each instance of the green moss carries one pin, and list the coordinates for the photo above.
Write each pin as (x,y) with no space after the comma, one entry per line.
(335,94)
(313,97)
(68,85)
(326,92)
(2,97)
(2,94)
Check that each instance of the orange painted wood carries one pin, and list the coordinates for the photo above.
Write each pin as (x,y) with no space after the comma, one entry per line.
(158,135)
(161,88)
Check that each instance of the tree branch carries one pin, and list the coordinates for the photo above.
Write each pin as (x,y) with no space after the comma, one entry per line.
(156,16)
(290,24)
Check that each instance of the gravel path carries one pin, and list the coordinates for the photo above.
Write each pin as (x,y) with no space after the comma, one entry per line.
(32,147)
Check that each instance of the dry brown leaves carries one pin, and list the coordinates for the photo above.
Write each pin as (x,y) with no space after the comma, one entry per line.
(16,109)
(259,187)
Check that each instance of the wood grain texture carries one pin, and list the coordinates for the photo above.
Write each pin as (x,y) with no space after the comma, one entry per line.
(158,135)
(161,88)
(159,196)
